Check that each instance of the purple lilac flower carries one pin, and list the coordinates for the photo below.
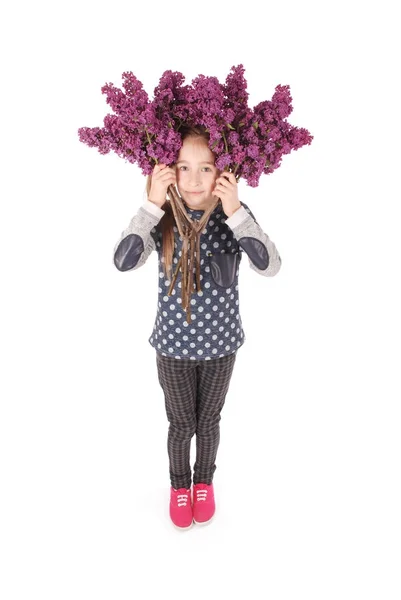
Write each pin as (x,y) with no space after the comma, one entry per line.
(170,99)
(223,161)
(246,141)
(236,96)
(205,101)
(135,132)
(281,101)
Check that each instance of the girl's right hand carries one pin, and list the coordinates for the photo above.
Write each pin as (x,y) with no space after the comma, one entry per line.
(162,177)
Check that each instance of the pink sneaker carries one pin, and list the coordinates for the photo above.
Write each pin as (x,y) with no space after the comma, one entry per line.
(203,503)
(181,508)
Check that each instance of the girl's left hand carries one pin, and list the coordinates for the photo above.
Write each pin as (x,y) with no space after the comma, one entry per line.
(226,189)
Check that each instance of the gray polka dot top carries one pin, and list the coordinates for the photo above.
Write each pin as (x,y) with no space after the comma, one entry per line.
(215,329)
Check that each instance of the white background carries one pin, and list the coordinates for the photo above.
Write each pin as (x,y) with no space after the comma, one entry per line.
(308,477)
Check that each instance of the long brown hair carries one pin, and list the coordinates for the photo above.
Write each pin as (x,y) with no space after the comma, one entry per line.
(167,222)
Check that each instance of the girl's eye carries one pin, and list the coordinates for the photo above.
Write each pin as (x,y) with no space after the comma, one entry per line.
(203,169)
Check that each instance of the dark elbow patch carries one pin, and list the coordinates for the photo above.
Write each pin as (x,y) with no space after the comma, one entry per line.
(128,252)
(256,251)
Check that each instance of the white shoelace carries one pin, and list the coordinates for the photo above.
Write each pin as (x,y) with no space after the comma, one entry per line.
(182,499)
(201,495)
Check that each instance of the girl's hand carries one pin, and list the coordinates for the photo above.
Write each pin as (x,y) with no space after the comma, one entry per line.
(162,177)
(227,190)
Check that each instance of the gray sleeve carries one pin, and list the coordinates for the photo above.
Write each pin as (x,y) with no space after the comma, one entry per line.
(136,242)
(262,252)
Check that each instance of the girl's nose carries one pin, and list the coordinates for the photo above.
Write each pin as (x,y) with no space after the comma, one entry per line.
(195,179)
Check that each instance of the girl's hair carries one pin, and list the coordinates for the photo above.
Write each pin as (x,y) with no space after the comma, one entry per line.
(167,222)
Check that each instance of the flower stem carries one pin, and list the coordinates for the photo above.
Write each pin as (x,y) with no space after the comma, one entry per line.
(225,141)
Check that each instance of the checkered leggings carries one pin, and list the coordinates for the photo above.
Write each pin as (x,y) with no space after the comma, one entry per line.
(194,393)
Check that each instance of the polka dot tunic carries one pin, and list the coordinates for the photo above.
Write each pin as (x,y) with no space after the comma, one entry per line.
(215,329)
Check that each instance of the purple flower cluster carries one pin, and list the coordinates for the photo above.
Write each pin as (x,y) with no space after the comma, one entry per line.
(140,131)
(246,141)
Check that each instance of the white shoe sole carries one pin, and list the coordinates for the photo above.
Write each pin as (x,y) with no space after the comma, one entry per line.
(204,523)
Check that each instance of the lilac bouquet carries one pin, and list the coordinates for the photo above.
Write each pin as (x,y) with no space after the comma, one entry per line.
(246,141)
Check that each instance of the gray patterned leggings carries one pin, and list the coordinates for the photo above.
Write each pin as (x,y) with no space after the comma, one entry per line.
(194,393)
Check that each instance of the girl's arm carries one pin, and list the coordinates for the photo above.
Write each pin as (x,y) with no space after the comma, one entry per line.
(136,242)
(262,253)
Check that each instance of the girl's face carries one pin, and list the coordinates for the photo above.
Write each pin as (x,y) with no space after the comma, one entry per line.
(196,173)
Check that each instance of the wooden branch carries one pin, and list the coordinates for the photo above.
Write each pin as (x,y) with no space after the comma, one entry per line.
(170,289)
(198,281)
(190,232)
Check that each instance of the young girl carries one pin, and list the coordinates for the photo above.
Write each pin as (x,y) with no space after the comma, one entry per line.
(195,361)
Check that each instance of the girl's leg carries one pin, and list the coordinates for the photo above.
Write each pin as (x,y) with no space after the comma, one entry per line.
(178,381)
(213,382)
